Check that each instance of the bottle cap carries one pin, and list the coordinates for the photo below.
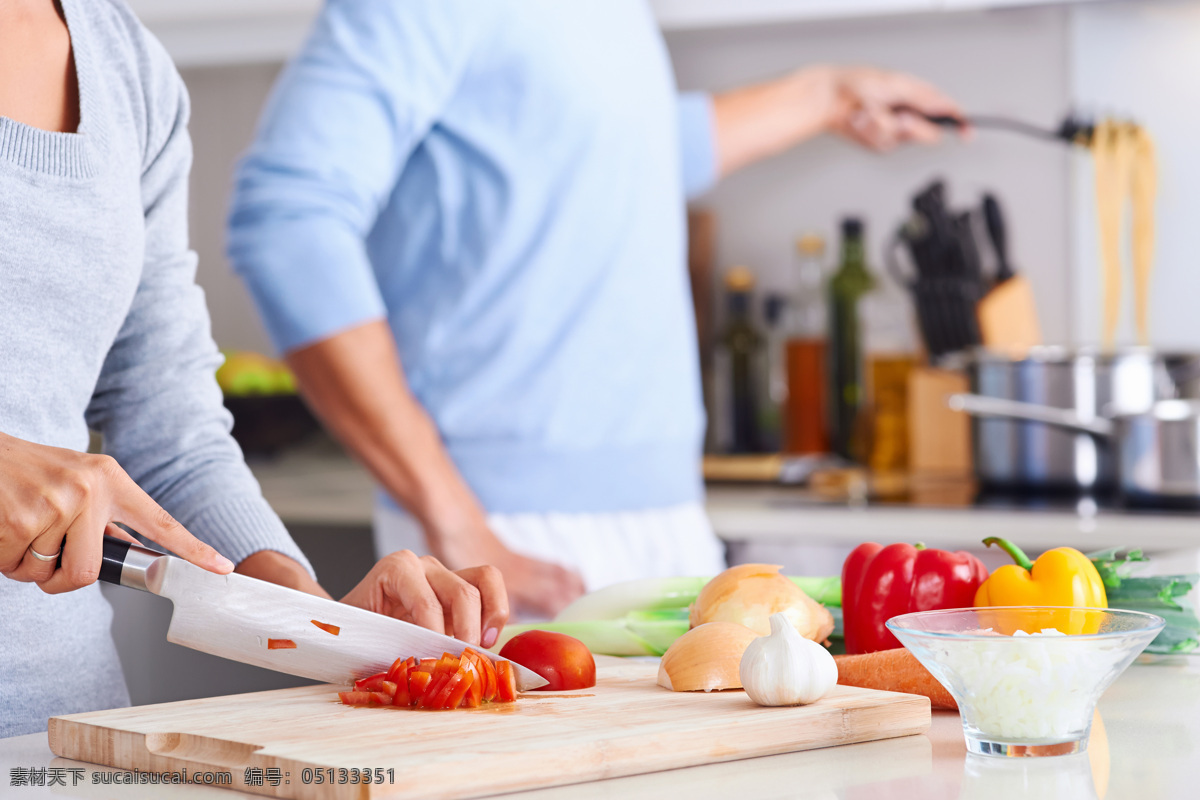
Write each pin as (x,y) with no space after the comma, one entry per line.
(852,226)
(739,279)
(811,244)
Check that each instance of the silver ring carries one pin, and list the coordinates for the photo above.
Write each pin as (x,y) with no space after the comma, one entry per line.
(41,557)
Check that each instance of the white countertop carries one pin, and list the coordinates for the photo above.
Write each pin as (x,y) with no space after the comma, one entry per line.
(1150,749)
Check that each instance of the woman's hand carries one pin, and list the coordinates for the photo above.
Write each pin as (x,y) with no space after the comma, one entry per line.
(535,586)
(470,604)
(879,109)
(53,499)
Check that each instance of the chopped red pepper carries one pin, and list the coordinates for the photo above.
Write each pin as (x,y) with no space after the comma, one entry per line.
(880,582)
(325,626)
(280,644)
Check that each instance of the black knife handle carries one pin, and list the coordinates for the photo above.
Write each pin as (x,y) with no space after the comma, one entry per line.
(994,218)
(112,559)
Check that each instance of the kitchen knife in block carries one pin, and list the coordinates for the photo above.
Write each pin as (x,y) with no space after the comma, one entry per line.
(1007,315)
(236,617)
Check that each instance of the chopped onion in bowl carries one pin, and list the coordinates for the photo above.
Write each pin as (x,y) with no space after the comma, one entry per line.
(1037,690)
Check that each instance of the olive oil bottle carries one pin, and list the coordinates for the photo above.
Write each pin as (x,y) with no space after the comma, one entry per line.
(847,287)
(740,369)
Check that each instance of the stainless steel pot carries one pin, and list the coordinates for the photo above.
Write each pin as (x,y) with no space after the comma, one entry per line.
(1029,455)
(1156,452)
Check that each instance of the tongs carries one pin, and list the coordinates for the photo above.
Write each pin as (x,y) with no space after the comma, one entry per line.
(1072,130)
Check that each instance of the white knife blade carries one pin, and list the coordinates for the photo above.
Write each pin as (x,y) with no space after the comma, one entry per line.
(235,617)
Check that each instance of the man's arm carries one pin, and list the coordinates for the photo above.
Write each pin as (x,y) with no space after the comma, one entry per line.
(354,382)
(862,104)
(342,122)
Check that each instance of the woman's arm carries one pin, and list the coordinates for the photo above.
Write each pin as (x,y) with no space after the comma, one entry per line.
(161,414)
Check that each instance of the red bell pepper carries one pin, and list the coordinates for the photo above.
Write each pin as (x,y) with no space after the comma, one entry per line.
(880,582)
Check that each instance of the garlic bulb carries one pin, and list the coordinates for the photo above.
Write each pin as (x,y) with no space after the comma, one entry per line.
(706,658)
(785,669)
(749,594)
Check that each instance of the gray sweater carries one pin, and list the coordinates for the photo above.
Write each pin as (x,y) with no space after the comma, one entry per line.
(103,327)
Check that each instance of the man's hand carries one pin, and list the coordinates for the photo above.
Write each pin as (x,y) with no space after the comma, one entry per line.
(880,110)
(869,106)
(53,499)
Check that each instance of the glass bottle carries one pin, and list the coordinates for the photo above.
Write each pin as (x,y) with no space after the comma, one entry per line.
(773,395)
(739,366)
(848,285)
(890,347)
(806,424)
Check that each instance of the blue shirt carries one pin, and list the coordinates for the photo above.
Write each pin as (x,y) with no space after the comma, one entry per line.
(505,183)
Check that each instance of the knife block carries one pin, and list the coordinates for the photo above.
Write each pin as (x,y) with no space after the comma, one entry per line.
(939,438)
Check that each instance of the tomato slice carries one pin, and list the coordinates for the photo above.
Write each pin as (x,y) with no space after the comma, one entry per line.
(466,679)
(474,696)
(402,666)
(487,672)
(370,684)
(448,663)
(432,694)
(325,626)
(280,644)
(418,685)
(399,676)
(358,698)
(449,682)
(506,689)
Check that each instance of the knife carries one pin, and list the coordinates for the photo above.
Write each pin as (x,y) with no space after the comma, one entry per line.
(235,616)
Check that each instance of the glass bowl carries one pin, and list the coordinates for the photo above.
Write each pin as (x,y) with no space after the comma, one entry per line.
(1026,678)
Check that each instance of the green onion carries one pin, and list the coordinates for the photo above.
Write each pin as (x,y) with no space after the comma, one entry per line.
(612,637)
(652,594)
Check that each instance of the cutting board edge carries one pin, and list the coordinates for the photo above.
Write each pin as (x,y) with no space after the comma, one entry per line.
(137,755)
(83,736)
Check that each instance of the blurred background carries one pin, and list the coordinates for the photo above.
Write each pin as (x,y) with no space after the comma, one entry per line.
(1032,61)
(1132,60)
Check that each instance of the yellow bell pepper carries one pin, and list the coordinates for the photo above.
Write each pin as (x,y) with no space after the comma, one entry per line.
(1060,577)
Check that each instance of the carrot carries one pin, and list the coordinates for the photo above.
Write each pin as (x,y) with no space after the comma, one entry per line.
(893,671)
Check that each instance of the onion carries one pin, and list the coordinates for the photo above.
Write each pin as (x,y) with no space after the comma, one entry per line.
(750,593)
(706,658)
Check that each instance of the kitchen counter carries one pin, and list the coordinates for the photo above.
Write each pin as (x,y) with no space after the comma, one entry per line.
(318,485)
(1149,749)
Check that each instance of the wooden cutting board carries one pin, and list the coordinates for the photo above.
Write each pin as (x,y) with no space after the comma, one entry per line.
(626,725)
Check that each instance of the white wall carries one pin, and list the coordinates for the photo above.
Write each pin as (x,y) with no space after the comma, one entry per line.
(1011,62)
(1142,60)
(225,106)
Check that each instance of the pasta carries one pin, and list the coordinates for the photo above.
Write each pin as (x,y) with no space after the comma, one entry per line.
(1125,168)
